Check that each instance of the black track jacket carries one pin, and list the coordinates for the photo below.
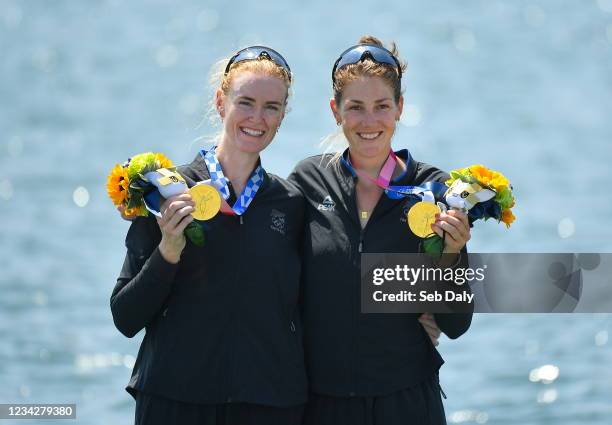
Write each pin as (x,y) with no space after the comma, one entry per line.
(222,325)
(349,353)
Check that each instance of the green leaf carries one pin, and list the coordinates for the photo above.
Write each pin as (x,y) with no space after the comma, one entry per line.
(138,185)
(433,245)
(455,175)
(195,233)
(134,202)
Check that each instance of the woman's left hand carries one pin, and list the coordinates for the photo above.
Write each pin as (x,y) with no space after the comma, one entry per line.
(428,322)
(457,227)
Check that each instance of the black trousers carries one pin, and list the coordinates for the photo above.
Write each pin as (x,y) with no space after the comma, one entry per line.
(417,405)
(154,410)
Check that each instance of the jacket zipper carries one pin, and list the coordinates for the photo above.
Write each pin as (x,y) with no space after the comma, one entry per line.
(442,391)
(354,305)
(231,371)
(361,241)
(440,386)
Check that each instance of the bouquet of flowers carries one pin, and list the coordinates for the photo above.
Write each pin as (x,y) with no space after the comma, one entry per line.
(129,183)
(481,193)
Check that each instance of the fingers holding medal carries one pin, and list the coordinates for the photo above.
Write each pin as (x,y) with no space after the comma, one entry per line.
(457,228)
(176,213)
(425,219)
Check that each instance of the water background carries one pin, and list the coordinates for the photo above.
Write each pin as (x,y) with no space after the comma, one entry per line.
(521,86)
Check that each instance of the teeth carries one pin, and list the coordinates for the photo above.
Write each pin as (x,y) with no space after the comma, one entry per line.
(252,132)
(369,136)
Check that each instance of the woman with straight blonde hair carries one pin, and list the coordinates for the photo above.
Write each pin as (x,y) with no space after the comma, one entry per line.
(223,341)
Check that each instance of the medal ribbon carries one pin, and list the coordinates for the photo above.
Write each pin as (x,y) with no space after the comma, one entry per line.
(425,192)
(219,181)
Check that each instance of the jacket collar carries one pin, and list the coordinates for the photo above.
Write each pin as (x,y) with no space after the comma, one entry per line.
(348,179)
(348,174)
(198,166)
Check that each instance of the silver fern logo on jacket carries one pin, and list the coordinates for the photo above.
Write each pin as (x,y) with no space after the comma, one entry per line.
(405,210)
(277,219)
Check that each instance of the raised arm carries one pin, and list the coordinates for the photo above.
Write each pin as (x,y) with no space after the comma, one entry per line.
(154,247)
(456,324)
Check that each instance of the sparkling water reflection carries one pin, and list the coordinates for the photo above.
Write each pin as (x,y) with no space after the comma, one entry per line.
(523,87)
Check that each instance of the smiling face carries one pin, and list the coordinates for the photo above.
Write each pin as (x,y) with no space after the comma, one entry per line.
(368,112)
(252,110)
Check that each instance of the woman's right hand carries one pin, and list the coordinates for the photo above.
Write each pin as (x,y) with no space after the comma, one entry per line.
(125,216)
(176,215)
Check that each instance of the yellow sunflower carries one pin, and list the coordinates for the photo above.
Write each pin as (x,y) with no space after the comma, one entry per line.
(117,185)
(489,177)
(507,217)
(163,161)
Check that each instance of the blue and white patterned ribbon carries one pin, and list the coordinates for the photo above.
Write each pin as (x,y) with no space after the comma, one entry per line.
(219,181)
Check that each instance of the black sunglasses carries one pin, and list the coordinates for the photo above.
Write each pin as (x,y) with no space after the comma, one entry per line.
(259,52)
(361,52)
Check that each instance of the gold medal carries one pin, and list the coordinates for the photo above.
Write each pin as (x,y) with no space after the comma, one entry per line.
(420,218)
(207,201)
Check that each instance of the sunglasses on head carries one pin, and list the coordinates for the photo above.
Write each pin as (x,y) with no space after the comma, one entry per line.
(259,52)
(361,52)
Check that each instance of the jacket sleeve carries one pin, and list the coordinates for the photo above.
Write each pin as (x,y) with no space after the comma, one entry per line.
(293,179)
(145,280)
(452,324)
(456,324)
